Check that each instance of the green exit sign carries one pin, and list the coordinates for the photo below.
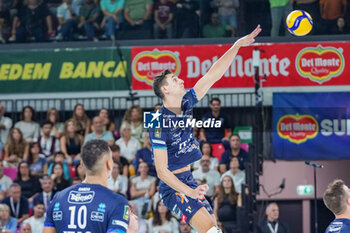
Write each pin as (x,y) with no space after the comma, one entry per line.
(305,189)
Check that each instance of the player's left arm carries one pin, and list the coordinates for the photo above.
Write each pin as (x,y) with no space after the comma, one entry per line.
(221,65)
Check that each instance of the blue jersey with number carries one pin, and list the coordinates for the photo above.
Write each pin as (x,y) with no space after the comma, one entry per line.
(340,225)
(88,208)
(177,139)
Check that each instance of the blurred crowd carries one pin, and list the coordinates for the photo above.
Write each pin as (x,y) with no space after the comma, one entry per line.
(94,20)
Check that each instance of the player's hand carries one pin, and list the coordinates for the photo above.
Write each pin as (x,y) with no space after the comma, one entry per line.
(133,224)
(249,39)
(200,191)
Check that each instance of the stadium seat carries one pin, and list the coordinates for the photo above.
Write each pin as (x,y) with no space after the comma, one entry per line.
(11,172)
(218,149)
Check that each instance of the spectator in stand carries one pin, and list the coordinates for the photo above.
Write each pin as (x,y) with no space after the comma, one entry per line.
(27,125)
(47,194)
(116,182)
(163,17)
(107,123)
(145,155)
(80,171)
(15,149)
(8,223)
(71,142)
(185,228)
(53,5)
(48,144)
(99,132)
(25,228)
(12,6)
(31,21)
(237,175)
(216,135)
(17,203)
(53,116)
(88,19)
(5,182)
(272,223)
(5,125)
(142,225)
(36,160)
(124,169)
(30,185)
(216,29)
(36,222)
(235,150)
(162,220)
(206,149)
(142,190)
(57,176)
(187,19)
(133,116)
(82,119)
(332,13)
(59,158)
(67,14)
(138,18)
(5,21)
(226,203)
(112,11)
(227,11)
(128,144)
(279,12)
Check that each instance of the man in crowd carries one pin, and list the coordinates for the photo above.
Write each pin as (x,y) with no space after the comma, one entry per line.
(25,228)
(234,150)
(88,19)
(36,222)
(48,144)
(145,155)
(112,11)
(47,194)
(163,17)
(272,222)
(124,170)
(99,132)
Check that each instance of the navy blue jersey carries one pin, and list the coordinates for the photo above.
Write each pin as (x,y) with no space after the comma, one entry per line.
(340,225)
(182,147)
(88,208)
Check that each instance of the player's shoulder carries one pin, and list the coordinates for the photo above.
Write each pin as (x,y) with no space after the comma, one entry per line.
(339,226)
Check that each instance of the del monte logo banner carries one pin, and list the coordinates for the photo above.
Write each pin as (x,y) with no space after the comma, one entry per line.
(311,125)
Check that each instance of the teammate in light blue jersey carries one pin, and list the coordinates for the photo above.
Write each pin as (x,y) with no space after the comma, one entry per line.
(90,207)
(337,199)
(175,148)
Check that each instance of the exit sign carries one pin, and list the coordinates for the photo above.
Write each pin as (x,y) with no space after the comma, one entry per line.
(305,189)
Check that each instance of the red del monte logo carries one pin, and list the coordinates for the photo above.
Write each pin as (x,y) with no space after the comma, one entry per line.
(147,64)
(320,64)
(297,128)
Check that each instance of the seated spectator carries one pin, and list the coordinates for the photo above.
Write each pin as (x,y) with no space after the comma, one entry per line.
(30,185)
(187,19)
(67,14)
(142,225)
(206,149)
(80,171)
(31,21)
(57,176)
(216,29)
(5,21)
(226,202)
(5,182)
(12,6)
(8,223)
(53,5)
(18,204)
(107,123)
(88,19)
(272,221)
(58,158)
(133,116)
(235,150)
(138,23)
(27,125)
(207,176)
(112,16)
(71,142)
(163,17)
(16,149)
(47,194)
(25,228)
(279,12)
(185,228)
(36,222)
(124,170)
(227,11)
(128,144)
(53,116)
(36,160)
(332,11)
(142,190)
(48,144)
(237,175)
(162,220)
(83,121)
(145,155)
(99,132)
(116,182)
(5,125)
(216,135)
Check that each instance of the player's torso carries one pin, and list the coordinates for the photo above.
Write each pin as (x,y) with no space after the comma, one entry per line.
(339,226)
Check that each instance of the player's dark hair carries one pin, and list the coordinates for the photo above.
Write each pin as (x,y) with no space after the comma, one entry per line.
(335,197)
(215,99)
(92,152)
(160,81)
(47,123)
(157,221)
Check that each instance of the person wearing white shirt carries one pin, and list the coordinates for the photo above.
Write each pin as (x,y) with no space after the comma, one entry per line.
(5,126)
(128,145)
(67,14)
(29,128)
(48,144)
(5,182)
(117,182)
(238,176)
(37,220)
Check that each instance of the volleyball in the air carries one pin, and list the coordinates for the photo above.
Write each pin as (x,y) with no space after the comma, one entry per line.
(299,23)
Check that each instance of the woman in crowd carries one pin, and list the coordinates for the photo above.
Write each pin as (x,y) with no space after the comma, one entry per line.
(71,142)
(8,223)
(53,116)
(57,176)
(162,220)
(16,149)
(128,144)
(27,125)
(58,158)
(117,182)
(84,122)
(226,203)
(207,150)
(30,185)
(36,160)
(80,171)
(108,124)
(133,116)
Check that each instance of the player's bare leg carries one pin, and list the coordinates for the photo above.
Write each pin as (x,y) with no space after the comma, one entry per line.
(203,222)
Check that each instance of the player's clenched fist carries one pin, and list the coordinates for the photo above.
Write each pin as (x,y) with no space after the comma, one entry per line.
(200,191)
